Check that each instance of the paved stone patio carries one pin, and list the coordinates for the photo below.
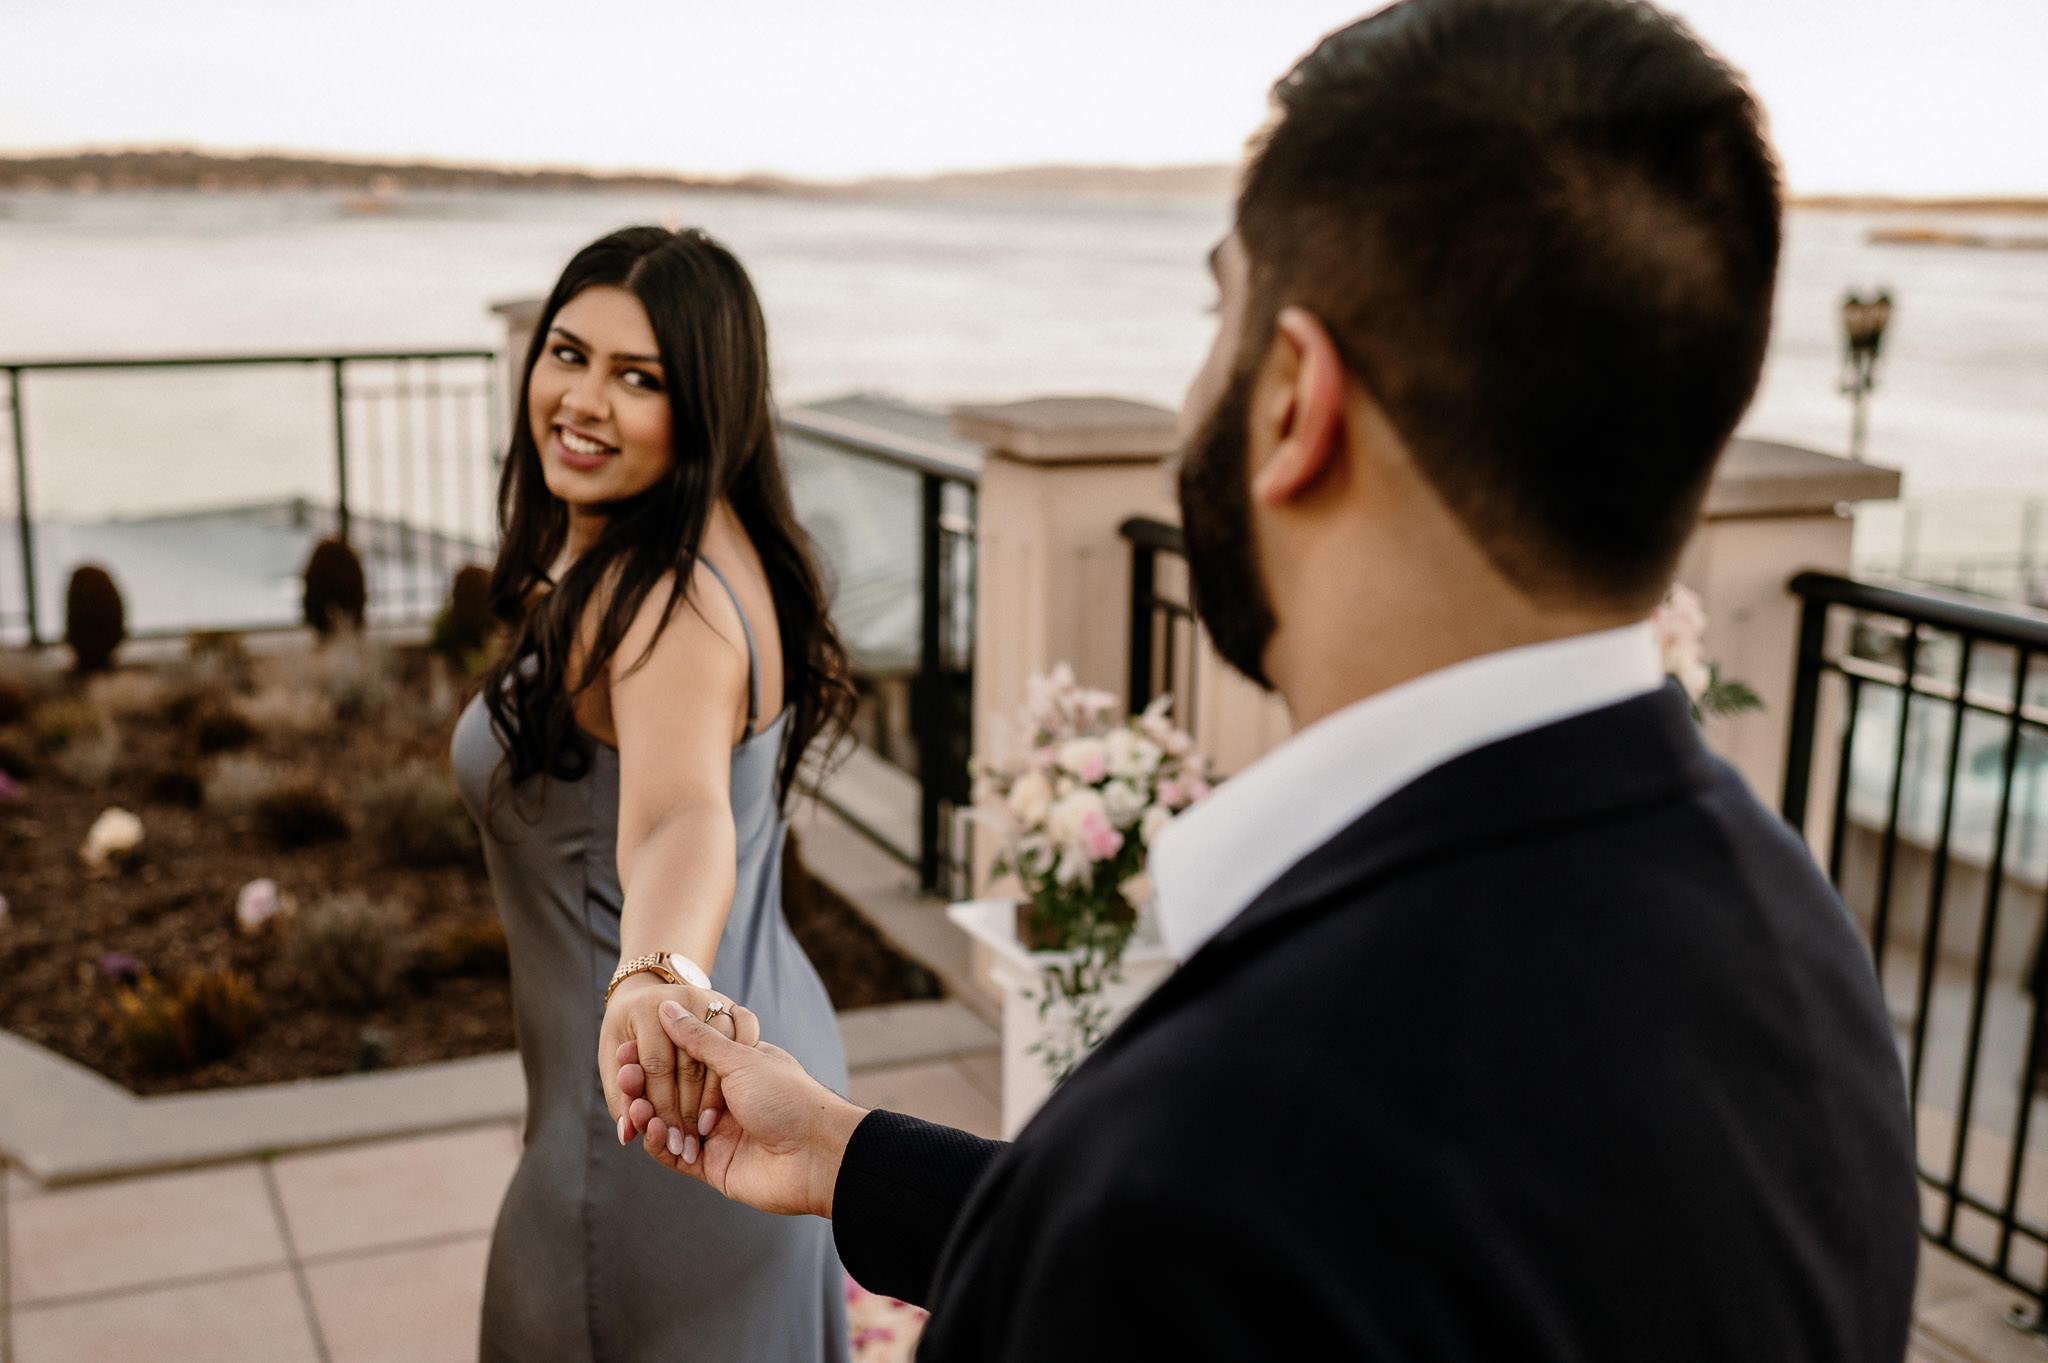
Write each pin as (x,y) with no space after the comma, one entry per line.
(374,1253)
(370,1253)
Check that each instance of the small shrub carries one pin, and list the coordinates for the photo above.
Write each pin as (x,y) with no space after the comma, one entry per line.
(95,620)
(148,1022)
(300,812)
(414,816)
(218,725)
(465,625)
(349,951)
(57,724)
(79,741)
(355,677)
(221,1008)
(236,785)
(372,1046)
(336,591)
(17,698)
(466,946)
(220,656)
(91,761)
(288,710)
(17,757)
(179,786)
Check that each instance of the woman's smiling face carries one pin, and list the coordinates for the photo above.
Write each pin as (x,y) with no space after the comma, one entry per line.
(598,403)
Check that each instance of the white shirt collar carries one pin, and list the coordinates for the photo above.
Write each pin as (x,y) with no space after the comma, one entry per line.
(1211,862)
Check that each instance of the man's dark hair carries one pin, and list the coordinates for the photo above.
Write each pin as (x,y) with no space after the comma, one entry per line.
(1543,235)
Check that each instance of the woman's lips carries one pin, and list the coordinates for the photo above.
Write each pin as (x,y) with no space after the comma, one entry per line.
(579,451)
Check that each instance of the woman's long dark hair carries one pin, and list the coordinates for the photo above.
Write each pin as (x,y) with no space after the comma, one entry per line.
(713,344)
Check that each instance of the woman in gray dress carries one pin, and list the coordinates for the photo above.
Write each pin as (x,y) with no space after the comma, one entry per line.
(629,759)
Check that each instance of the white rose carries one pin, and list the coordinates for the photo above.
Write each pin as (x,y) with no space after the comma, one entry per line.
(1030,798)
(1086,758)
(1123,802)
(1137,891)
(1063,821)
(1131,754)
(1156,818)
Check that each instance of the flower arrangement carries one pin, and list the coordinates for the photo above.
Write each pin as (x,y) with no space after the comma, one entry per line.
(1680,624)
(1075,814)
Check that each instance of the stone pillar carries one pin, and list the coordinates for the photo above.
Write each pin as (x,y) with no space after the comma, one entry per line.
(519,316)
(1053,575)
(1774,510)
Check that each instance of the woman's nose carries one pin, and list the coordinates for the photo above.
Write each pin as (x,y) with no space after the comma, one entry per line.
(585,397)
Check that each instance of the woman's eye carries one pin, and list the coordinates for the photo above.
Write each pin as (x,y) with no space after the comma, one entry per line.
(641,379)
(566,354)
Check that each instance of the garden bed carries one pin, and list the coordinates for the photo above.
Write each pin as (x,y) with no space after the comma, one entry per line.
(324,773)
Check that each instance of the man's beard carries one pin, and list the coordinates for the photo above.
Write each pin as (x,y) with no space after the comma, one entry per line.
(1215,514)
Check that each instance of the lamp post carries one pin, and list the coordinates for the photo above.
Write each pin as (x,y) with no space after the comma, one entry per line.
(1863,324)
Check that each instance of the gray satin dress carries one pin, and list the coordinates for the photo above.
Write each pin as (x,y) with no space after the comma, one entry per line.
(599,1252)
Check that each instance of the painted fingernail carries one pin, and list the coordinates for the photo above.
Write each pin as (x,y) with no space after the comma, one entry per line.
(675,1140)
(625,1131)
(706,1119)
(689,1149)
(672,1010)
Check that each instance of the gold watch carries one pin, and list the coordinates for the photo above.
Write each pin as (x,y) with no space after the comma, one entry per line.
(670,966)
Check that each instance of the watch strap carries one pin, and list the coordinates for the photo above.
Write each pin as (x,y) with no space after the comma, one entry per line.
(654,963)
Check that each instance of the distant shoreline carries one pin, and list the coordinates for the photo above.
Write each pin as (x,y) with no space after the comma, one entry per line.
(153,171)
(149,170)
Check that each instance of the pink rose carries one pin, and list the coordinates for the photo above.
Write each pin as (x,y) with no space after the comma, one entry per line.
(1101,840)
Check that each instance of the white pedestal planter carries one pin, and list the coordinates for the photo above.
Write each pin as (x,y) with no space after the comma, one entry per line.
(1018,973)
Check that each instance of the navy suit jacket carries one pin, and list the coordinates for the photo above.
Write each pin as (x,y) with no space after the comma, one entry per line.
(1564,1052)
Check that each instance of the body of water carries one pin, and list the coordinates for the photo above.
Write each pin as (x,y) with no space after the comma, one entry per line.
(936,299)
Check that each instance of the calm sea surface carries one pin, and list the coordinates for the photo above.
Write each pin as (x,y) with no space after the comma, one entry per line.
(937,300)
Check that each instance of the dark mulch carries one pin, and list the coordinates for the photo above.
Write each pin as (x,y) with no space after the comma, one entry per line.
(174,911)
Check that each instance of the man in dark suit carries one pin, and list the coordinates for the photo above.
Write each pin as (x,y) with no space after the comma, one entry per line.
(1511,1026)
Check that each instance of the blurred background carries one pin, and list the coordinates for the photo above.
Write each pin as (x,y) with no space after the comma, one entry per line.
(266,272)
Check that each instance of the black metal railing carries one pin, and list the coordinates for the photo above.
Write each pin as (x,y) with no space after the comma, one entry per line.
(410,447)
(941,686)
(1934,838)
(1165,635)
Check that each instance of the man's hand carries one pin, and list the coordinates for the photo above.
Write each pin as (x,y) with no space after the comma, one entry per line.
(654,1092)
(778,1140)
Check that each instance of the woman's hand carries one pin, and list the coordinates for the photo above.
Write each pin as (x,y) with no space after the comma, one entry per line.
(779,1141)
(668,1089)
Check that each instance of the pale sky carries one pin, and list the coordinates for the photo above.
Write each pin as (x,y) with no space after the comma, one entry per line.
(1885,96)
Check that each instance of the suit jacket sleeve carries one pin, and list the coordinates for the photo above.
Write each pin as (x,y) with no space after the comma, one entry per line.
(901,1186)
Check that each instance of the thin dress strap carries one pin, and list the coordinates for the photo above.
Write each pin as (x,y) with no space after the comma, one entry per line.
(753,658)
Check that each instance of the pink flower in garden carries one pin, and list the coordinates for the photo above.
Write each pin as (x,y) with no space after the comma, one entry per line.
(255,905)
(10,789)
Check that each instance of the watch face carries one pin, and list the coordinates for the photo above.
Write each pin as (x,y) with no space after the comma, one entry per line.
(689,970)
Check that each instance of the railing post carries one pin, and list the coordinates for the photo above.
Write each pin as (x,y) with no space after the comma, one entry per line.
(340,451)
(1813,626)
(932,747)
(1144,565)
(24,516)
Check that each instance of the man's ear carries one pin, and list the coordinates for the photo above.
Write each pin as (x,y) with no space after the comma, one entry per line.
(1307,397)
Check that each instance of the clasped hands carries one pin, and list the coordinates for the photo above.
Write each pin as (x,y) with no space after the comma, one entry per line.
(714,1102)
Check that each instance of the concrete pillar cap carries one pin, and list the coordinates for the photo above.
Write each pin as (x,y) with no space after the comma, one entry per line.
(1057,430)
